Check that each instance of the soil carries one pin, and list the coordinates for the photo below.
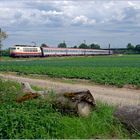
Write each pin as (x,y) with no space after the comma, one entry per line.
(107,94)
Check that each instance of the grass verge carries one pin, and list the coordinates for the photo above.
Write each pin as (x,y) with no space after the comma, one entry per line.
(37,119)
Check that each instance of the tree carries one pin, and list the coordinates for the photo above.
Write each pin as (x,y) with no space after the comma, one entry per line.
(94,46)
(137,48)
(62,45)
(75,46)
(130,46)
(5,52)
(3,36)
(83,46)
(44,45)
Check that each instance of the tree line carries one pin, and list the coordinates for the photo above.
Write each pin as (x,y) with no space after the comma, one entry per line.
(132,47)
(81,46)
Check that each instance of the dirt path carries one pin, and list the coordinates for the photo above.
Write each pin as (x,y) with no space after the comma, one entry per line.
(111,95)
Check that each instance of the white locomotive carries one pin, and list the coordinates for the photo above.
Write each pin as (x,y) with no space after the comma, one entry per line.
(27,51)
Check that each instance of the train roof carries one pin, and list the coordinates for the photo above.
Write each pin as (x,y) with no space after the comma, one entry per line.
(24,46)
(53,48)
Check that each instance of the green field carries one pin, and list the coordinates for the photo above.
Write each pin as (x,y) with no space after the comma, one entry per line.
(38,119)
(108,70)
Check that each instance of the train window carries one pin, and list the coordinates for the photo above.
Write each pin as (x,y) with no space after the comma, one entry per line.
(46,50)
(30,49)
(12,48)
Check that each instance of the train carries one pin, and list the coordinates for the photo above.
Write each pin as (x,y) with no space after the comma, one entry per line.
(34,51)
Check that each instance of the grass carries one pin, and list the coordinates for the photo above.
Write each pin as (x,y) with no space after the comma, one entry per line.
(100,124)
(38,119)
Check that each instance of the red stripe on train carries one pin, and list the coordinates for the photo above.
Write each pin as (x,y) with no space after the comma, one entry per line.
(25,53)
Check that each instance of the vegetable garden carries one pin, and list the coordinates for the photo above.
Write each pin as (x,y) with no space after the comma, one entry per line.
(108,70)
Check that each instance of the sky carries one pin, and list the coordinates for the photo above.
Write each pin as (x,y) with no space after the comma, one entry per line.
(95,21)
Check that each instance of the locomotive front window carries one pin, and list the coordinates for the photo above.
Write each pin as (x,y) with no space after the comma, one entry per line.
(12,48)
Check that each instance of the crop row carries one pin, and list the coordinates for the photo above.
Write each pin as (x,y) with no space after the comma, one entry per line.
(117,71)
(107,76)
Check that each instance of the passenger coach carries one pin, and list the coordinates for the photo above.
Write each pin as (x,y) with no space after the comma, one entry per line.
(72,52)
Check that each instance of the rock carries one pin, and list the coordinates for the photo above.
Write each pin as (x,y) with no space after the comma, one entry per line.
(84,109)
(130,116)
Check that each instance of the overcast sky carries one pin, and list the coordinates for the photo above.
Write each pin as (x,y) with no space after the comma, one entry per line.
(51,22)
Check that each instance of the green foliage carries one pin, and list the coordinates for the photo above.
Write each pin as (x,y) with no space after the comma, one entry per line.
(83,46)
(137,47)
(130,46)
(75,46)
(31,119)
(44,45)
(131,49)
(100,124)
(94,46)
(91,46)
(37,119)
(5,52)
(108,70)
(62,45)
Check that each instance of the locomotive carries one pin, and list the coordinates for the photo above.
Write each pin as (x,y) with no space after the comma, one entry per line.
(33,51)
